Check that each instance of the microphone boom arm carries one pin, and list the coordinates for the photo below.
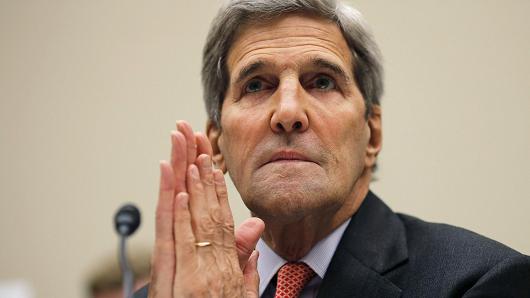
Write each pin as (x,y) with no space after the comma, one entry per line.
(128,276)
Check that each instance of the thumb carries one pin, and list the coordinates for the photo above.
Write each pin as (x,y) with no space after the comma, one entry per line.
(247,235)
(251,276)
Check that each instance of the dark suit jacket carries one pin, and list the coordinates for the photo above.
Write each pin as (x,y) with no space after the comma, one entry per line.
(384,254)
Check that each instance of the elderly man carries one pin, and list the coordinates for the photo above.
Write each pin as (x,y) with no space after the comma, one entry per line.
(292,89)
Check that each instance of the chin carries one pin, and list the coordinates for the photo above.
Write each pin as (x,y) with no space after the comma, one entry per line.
(288,202)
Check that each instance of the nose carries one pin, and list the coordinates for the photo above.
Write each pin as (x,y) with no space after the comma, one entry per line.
(290,114)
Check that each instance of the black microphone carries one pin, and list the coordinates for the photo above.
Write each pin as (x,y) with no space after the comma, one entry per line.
(126,221)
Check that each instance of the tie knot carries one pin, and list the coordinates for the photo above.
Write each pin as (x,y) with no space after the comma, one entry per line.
(292,277)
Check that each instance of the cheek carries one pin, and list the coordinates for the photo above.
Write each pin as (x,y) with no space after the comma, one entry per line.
(236,142)
(347,139)
(228,146)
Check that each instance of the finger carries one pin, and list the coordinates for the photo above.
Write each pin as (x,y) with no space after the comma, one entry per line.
(202,225)
(204,163)
(222,193)
(163,263)
(251,276)
(228,222)
(184,238)
(191,147)
(179,161)
(203,144)
(247,235)
(215,216)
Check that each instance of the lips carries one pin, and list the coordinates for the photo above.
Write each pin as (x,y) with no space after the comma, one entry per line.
(288,156)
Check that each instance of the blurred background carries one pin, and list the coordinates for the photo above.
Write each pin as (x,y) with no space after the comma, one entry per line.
(89,91)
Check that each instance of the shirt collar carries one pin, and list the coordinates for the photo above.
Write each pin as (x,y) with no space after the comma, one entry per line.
(318,257)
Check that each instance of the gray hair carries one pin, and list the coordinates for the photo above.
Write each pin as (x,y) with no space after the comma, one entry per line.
(367,68)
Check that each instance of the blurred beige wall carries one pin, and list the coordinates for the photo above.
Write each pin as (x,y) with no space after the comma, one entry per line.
(89,91)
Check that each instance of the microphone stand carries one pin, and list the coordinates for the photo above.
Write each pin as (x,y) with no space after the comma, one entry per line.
(128,276)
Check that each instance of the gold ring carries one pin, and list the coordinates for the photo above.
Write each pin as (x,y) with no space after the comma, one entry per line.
(203,243)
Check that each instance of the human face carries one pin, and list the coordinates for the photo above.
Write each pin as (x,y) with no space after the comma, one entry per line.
(293,134)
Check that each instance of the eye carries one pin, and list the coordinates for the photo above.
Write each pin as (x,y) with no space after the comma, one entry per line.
(323,82)
(254,85)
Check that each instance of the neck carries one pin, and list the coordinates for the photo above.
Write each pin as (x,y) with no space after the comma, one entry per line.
(294,240)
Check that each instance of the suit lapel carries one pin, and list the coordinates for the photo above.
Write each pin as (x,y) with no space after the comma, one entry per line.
(373,244)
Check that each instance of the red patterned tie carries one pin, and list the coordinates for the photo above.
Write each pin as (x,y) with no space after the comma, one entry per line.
(292,278)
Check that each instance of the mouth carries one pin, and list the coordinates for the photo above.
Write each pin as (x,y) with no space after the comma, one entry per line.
(288,156)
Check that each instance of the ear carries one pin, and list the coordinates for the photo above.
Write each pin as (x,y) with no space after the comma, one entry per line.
(214,135)
(376,137)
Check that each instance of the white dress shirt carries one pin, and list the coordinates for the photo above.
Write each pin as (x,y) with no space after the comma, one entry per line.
(318,259)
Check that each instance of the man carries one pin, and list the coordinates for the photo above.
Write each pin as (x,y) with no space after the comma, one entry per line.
(292,90)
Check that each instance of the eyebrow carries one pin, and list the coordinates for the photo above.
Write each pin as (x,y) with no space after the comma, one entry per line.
(335,68)
(249,70)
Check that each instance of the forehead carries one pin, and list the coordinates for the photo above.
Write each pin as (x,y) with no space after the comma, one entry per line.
(289,40)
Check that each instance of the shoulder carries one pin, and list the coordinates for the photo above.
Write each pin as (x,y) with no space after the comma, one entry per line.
(462,262)
(428,240)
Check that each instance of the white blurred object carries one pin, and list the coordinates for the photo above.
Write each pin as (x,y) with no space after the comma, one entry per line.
(16,289)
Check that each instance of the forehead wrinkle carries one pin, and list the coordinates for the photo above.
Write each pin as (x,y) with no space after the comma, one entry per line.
(294,45)
(273,51)
(331,44)
(303,35)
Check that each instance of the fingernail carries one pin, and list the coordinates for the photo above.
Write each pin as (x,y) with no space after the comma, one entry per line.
(194,172)
(218,177)
(183,200)
(207,161)
(179,124)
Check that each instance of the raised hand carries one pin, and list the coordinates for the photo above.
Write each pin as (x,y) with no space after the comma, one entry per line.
(195,248)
